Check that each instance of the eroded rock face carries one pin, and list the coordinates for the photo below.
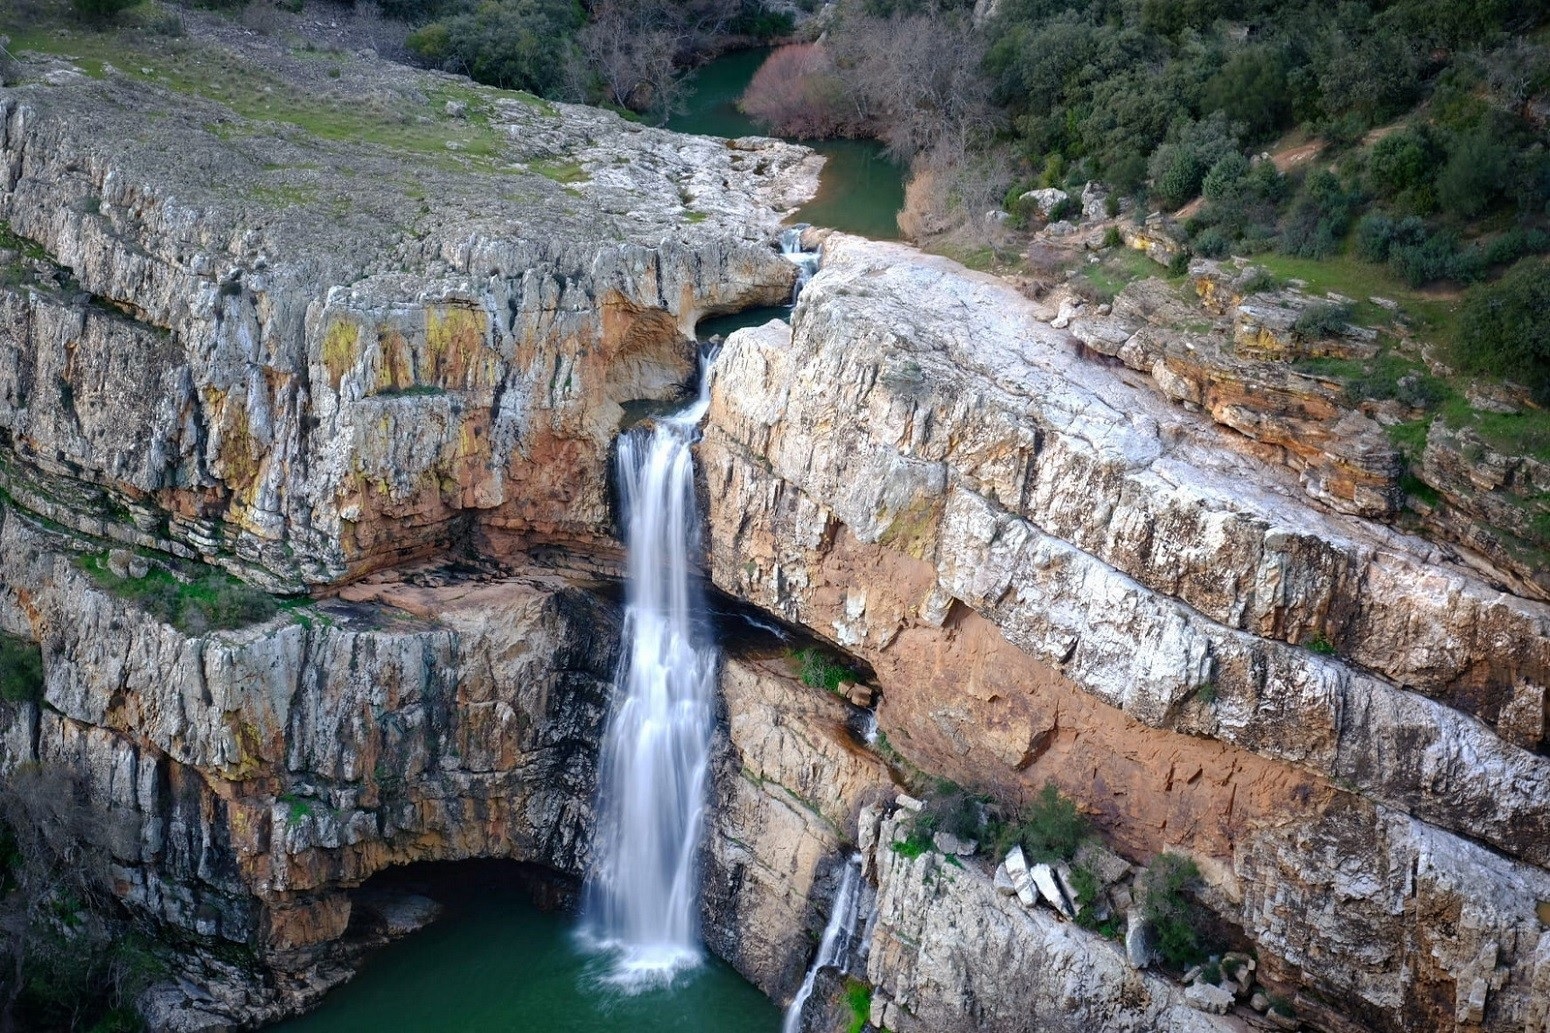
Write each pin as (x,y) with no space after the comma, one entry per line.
(249,779)
(1055,575)
(306,380)
(951,955)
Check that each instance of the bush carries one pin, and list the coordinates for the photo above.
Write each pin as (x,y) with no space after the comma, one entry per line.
(1211,243)
(1320,217)
(515,44)
(1374,234)
(21,670)
(1322,319)
(101,10)
(1403,165)
(1228,178)
(1166,903)
(1475,176)
(1505,327)
(1052,829)
(1179,166)
(955,812)
(819,670)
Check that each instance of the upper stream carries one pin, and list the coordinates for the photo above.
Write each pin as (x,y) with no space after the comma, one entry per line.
(862,189)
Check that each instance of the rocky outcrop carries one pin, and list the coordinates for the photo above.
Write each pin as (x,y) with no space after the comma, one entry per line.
(1056,575)
(790,783)
(951,955)
(250,778)
(308,360)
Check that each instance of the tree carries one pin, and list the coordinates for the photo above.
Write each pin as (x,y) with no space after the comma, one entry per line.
(64,961)
(101,10)
(1505,327)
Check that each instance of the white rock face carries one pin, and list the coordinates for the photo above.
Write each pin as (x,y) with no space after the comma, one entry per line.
(961,957)
(1208,998)
(917,421)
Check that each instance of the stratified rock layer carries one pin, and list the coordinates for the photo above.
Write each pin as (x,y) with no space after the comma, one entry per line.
(304,380)
(1056,574)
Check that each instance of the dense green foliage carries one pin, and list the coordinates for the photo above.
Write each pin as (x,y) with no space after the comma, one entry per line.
(820,670)
(21,670)
(518,44)
(209,601)
(1506,327)
(858,1001)
(1050,829)
(1167,905)
(101,10)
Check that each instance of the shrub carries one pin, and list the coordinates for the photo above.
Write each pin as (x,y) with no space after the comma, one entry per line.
(1166,903)
(1320,217)
(1112,237)
(101,10)
(517,44)
(1505,327)
(1323,319)
(1403,165)
(1475,175)
(1179,166)
(21,670)
(955,812)
(1212,243)
(1228,178)
(793,92)
(1374,234)
(1050,830)
(819,670)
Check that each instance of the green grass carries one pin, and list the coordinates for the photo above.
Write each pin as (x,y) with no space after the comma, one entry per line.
(561,171)
(21,670)
(1121,267)
(918,842)
(399,124)
(1435,318)
(211,601)
(858,1001)
(820,670)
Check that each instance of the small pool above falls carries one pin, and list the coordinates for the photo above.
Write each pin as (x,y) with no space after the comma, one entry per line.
(862,189)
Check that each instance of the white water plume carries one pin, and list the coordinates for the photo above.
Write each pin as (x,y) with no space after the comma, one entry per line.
(642,897)
(834,948)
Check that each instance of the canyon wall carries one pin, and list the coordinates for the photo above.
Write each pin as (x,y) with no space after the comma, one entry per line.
(392,377)
(1056,575)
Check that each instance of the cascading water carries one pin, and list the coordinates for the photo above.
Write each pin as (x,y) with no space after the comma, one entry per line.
(642,898)
(834,948)
(805,261)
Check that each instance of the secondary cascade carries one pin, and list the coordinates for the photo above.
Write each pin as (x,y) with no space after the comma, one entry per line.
(642,898)
(805,261)
(834,948)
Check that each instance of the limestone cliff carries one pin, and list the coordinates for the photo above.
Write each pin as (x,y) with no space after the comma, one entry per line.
(302,357)
(1056,574)
(378,348)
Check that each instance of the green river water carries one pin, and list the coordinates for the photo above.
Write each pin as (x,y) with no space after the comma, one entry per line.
(861,190)
(494,962)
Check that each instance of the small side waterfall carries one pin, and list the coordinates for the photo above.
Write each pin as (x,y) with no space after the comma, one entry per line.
(834,948)
(642,898)
(805,261)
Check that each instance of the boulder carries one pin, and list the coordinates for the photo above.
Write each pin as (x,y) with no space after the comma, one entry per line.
(1140,941)
(1052,888)
(1207,998)
(1047,199)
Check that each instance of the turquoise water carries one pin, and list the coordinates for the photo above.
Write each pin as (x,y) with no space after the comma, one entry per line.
(862,189)
(494,963)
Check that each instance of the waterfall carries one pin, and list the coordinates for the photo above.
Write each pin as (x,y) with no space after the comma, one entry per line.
(834,948)
(642,896)
(805,261)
